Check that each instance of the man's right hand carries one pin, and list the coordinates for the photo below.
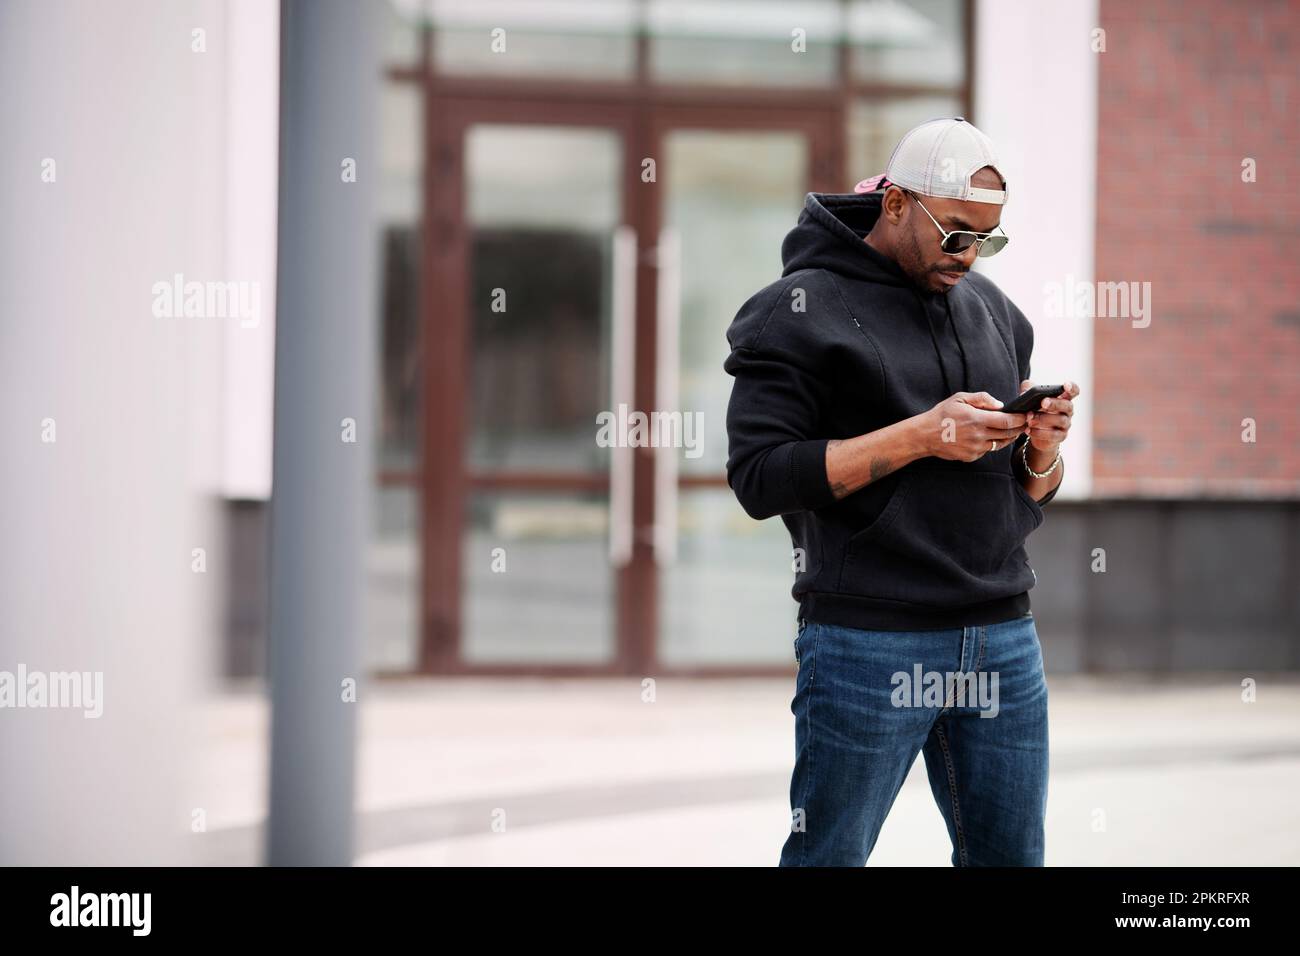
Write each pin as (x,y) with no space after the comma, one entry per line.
(964,426)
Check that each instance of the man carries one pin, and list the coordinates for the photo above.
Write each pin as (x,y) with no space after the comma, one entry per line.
(864,412)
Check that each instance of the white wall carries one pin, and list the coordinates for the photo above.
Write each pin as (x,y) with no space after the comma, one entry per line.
(1036,96)
(96,560)
(251,50)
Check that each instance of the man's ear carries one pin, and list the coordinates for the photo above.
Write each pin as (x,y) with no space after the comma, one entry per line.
(891,205)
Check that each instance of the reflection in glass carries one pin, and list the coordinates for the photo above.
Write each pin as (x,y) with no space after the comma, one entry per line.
(751,43)
(392,595)
(726,600)
(574,39)
(920,42)
(732,197)
(537,579)
(401,156)
(744,43)
(539,295)
(402,27)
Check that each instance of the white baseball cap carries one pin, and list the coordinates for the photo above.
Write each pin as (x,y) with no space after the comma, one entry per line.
(938,159)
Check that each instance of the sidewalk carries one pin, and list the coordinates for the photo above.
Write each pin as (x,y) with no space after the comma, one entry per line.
(1161,772)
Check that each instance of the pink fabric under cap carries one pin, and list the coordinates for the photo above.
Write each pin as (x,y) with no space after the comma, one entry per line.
(871,185)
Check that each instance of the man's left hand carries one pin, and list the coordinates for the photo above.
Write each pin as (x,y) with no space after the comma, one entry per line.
(1049,424)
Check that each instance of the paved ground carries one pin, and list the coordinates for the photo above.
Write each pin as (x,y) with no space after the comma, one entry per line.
(1169,772)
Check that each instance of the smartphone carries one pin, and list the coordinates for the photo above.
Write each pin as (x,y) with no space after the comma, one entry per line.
(1032,399)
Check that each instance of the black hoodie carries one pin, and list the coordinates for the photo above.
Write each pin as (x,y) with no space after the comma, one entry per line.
(844,344)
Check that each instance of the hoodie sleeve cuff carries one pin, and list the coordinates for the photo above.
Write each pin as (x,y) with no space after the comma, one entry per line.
(808,474)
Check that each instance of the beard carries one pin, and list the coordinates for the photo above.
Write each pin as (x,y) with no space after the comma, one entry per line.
(923,275)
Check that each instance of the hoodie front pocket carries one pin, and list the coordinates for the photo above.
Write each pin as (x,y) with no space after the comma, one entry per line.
(881,523)
(948,537)
(1035,509)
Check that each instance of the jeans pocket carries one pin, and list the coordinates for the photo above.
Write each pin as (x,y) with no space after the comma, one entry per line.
(802,626)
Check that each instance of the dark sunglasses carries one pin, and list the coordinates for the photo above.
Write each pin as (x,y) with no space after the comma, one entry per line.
(955,243)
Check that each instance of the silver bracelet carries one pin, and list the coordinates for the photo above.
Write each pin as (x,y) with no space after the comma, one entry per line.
(1024,456)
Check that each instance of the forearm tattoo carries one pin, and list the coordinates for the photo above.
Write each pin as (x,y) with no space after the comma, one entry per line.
(879,467)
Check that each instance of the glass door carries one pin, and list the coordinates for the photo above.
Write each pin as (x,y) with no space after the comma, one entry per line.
(574,283)
(732,187)
(544,217)
(539,277)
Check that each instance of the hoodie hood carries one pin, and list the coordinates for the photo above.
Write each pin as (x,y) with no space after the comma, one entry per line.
(830,234)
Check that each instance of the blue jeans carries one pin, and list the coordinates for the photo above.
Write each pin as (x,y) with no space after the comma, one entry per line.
(866,701)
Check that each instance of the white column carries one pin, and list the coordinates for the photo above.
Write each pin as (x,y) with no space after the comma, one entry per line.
(252,113)
(1036,96)
(110,182)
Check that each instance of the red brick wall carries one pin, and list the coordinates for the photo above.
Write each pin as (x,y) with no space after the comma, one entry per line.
(1188,89)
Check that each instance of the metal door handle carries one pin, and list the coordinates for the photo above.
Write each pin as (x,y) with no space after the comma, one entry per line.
(622,368)
(668,316)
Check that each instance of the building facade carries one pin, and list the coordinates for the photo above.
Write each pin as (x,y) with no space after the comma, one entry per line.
(575,199)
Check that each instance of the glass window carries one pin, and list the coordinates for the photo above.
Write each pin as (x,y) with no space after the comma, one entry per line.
(727,596)
(393,554)
(569,181)
(401,152)
(402,27)
(908,41)
(731,196)
(538,586)
(744,42)
(576,39)
(875,127)
(401,168)
(541,261)
(392,595)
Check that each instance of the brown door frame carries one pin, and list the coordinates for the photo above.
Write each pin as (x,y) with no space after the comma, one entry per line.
(445,483)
